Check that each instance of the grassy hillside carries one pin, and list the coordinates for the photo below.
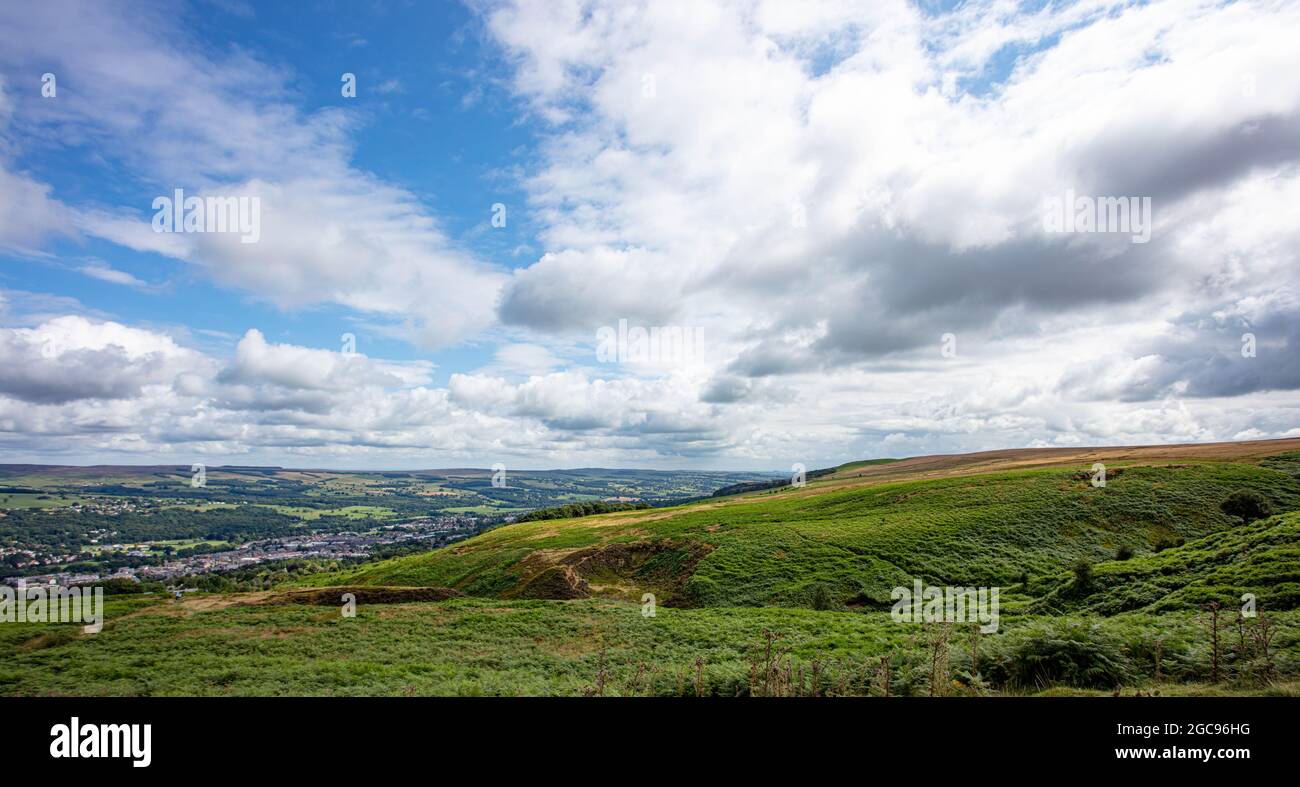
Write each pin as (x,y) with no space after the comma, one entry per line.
(241,646)
(778,547)
(1262,558)
(779,592)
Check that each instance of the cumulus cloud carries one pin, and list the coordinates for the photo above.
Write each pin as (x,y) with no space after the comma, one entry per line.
(91,388)
(72,358)
(1244,347)
(862,194)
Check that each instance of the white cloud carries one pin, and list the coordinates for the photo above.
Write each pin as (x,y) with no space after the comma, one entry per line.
(525,359)
(825,190)
(28,214)
(104,272)
(72,358)
(684,145)
(181,118)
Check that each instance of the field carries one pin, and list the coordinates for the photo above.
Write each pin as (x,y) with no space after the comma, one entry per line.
(37,500)
(1104,590)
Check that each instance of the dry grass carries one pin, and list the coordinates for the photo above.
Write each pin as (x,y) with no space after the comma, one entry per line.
(944,465)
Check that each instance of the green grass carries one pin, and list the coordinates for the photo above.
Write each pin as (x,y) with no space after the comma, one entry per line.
(862,541)
(480,509)
(156,547)
(18,638)
(29,500)
(351,512)
(728,573)
(479,646)
(1261,558)
(204,506)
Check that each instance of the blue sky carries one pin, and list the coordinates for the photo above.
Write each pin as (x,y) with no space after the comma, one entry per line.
(840,203)
(433,115)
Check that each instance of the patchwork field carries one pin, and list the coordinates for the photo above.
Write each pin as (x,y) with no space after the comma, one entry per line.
(88,520)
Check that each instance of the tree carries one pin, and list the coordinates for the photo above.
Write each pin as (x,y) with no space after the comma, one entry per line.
(1246,505)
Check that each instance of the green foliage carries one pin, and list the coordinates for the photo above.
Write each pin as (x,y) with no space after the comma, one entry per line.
(216,646)
(1065,653)
(571,510)
(986,530)
(1247,505)
(821,599)
(785,593)
(1082,576)
(1262,558)
(134,505)
(1165,542)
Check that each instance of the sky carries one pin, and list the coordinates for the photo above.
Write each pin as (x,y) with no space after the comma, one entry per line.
(854,229)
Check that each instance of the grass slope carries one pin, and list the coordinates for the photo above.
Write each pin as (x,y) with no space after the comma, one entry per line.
(1261,558)
(230,646)
(775,548)
(740,574)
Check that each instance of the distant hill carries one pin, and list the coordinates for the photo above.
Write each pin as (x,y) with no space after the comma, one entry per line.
(414,492)
(775,483)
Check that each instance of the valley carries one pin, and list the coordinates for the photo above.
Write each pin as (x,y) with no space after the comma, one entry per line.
(80,524)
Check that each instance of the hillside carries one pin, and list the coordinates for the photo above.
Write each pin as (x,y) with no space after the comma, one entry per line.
(233,646)
(861,535)
(1261,558)
(779,592)
(1014,458)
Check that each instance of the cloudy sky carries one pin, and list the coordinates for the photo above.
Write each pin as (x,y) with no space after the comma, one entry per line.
(845,203)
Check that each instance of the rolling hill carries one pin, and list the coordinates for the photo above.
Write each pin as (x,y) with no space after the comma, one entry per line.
(776,592)
(979,519)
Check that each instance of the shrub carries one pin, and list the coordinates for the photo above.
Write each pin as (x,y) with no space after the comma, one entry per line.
(587,508)
(1124,552)
(1166,542)
(821,598)
(119,586)
(1067,653)
(1246,505)
(1083,575)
